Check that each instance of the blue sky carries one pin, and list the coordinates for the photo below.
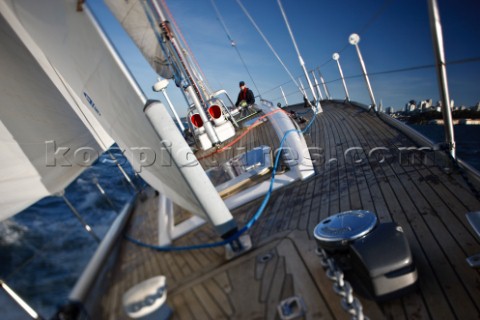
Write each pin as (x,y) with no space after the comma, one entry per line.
(394,35)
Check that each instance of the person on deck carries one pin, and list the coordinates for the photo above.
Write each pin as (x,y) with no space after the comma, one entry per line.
(245,96)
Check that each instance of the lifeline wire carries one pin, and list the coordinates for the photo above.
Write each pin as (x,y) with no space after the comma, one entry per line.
(252,220)
(365,27)
(406,69)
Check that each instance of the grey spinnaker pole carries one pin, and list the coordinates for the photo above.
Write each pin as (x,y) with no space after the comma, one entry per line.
(336,57)
(437,36)
(354,39)
(300,59)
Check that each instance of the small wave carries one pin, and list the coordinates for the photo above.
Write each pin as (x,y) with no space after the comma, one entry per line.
(11,232)
(89,200)
(107,160)
(81,181)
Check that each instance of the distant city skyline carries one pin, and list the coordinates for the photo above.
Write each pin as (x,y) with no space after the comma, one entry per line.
(395,43)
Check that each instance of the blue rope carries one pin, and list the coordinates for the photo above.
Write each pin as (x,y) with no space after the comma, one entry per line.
(249,224)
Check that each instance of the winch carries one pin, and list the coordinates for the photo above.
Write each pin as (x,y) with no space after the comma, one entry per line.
(377,253)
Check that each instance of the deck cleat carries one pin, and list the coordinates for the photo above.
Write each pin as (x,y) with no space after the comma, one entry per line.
(147,298)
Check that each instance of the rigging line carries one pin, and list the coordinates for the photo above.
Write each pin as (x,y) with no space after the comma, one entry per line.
(232,42)
(465,60)
(184,42)
(330,59)
(376,15)
(366,26)
(274,88)
(300,59)
(287,95)
(268,43)
(427,66)
(37,252)
(159,37)
(283,84)
(248,71)
(177,52)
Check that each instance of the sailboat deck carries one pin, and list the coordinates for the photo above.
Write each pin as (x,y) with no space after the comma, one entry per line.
(359,164)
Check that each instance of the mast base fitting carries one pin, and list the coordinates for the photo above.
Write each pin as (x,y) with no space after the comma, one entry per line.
(238,247)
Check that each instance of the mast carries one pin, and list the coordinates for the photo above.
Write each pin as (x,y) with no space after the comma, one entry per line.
(437,36)
(188,84)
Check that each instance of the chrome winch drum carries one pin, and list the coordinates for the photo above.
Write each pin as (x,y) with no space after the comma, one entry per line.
(337,231)
(377,254)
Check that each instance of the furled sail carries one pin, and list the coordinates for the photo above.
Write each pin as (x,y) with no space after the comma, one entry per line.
(132,16)
(91,69)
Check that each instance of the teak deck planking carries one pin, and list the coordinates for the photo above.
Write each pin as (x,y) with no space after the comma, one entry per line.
(428,203)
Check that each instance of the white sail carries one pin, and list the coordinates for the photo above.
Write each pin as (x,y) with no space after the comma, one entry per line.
(83,58)
(37,124)
(132,16)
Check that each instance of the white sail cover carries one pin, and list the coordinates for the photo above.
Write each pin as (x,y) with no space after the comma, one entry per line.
(133,17)
(39,120)
(80,54)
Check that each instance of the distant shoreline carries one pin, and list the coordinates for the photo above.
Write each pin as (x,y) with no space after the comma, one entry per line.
(460,117)
(468,122)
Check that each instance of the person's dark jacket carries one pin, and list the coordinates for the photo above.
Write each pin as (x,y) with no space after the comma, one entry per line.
(247,95)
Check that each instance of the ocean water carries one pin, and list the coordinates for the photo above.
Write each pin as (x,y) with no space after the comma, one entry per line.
(44,249)
(467,140)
